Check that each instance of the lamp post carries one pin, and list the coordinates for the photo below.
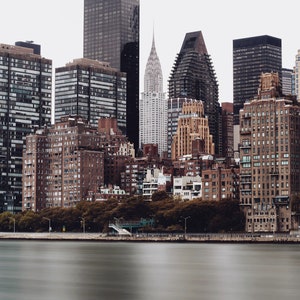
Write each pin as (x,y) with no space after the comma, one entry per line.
(14,220)
(49,222)
(185,219)
(83,224)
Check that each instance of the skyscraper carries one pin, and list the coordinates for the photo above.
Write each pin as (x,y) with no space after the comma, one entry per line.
(153,105)
(25,105)
(92,90)
(251,57)
(269,159)
(193,77)
(111,34)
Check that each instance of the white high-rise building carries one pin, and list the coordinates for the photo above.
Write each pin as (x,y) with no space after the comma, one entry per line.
(153,105)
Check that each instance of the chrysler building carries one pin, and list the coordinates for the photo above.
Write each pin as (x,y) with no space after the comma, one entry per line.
(153,105)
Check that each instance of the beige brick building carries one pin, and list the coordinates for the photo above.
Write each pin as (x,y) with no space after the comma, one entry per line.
(269,159)
(192,131)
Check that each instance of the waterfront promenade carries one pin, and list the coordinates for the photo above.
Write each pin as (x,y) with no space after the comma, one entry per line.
(156,237)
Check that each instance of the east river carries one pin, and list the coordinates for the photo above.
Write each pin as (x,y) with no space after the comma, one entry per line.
(75,270)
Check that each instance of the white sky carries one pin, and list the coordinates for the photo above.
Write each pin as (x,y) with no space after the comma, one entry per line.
(57,25)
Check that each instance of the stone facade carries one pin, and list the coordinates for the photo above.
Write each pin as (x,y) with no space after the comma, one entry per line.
(269,159)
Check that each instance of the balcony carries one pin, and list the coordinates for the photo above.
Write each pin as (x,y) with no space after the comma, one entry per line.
(245,131)
(245,146)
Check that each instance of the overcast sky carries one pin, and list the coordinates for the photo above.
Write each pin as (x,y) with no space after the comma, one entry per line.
(57,25)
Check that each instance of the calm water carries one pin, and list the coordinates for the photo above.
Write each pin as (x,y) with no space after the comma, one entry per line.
(147,271)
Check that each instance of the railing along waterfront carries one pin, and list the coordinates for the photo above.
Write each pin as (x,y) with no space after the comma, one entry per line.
(160,237)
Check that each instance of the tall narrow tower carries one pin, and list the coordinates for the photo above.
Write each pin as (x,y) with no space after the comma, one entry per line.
(193,77)
(111,34)
(153,105)
(25,105)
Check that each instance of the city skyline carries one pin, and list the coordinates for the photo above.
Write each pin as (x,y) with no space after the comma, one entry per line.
(62,39)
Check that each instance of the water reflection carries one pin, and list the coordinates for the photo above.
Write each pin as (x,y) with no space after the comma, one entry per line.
(143,271)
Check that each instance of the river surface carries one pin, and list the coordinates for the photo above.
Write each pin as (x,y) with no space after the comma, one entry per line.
(64,270)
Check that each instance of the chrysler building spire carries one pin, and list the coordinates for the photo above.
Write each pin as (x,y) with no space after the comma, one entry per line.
(153,81)
(153,105)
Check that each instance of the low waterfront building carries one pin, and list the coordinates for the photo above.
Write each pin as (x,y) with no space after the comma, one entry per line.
(155,181)
(187,187)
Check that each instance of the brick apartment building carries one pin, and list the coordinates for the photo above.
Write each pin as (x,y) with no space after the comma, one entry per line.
(269,159)
(219,183)
(64,164)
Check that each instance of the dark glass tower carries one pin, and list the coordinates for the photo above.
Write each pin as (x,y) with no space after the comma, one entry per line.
(25,105)
(111,34)
(92,90)
(252,57)
(193,77)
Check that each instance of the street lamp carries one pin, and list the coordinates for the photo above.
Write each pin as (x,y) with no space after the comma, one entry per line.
(185,218)
(14,220)
(83,224)
(49,220)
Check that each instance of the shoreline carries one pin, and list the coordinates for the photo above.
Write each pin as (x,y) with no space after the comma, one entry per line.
(155,238)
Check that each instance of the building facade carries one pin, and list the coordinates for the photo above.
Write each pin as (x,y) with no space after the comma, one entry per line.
(193,77)
(117,151)
(297,75)
(154,181)
(72,161)
(251,57)
(187,188)
(153,106)
(25,105)
(269,159)
(174,110)
(227,131)
(111,34)
(220,183)
(288,81)
(62,165)
(92,90)
(192,132)
(189,165)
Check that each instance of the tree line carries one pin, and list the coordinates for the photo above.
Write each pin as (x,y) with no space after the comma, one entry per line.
(169,215)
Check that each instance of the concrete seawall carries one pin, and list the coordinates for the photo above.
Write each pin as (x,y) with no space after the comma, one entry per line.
(189,238)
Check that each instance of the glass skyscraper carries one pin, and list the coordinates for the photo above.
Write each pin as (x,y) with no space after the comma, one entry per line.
(111,34)
(25,105)
(252,57)
(92,90)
